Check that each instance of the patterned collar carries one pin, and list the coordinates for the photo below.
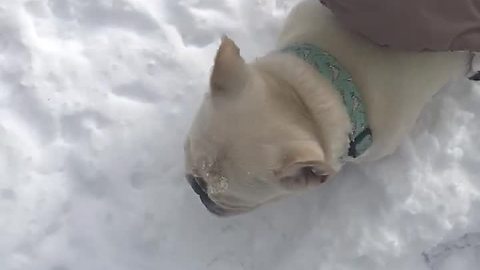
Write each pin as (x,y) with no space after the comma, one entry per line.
(361,136)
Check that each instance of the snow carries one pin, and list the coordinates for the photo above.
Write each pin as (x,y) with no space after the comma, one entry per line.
(459,254)
(96,97)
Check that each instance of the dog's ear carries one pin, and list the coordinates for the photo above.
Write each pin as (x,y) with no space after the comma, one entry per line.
(229,70)
(303,166)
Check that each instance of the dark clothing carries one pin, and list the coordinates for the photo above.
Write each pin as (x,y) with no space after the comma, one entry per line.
(438,25)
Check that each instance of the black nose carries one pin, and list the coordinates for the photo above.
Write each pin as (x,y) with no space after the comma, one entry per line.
(199,185)
(212,206)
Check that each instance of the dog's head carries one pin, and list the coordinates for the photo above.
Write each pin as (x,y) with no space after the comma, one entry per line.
(252,140)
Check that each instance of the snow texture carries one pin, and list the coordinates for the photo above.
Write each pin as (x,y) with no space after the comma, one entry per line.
(96,97)
(462,253)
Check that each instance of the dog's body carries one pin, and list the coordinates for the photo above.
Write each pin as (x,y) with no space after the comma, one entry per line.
(276,125)
(394,85)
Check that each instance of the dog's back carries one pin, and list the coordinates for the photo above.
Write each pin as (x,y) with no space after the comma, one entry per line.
(394,84)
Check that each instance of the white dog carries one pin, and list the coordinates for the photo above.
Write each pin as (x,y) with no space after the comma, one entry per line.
(292,118)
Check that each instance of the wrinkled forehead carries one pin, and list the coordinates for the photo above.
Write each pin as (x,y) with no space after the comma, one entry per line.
(224,129)
(215,127)
(212,121)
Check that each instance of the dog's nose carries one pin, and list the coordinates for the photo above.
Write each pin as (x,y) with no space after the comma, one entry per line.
(198,185)
(212,206)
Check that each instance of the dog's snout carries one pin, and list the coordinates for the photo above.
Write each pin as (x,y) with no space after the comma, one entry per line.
(198,185)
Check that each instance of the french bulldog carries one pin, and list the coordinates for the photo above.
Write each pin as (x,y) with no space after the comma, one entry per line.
(278,125)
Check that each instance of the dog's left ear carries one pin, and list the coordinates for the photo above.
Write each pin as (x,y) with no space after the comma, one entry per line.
(229,70)
(304,166)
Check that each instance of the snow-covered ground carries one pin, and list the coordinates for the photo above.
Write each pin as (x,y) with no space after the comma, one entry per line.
(95,99)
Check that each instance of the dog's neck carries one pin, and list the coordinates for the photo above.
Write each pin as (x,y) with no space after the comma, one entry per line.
(329,67)
(331,121)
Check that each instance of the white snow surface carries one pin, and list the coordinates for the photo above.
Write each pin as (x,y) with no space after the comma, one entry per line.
(96,97)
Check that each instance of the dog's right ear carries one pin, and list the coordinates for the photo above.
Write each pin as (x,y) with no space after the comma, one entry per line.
(303,165)
(229,71)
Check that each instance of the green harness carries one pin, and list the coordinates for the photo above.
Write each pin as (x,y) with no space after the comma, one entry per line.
(361,135)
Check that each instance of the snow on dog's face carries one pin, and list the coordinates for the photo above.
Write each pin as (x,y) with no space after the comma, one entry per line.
(252,141)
